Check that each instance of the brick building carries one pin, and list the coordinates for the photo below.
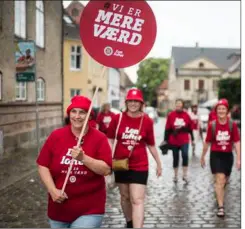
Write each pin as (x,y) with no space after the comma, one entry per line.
(39,21)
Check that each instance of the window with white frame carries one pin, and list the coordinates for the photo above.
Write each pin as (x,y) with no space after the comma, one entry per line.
(20,18)
(40,23)
(74,92)
(20,91)
(76,57)
(1,78)
(40,89)
(215,85)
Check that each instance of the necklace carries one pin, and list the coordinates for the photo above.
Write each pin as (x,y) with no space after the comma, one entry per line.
(82,140)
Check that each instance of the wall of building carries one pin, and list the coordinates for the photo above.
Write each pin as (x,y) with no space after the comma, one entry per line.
(18,119)
(114,88)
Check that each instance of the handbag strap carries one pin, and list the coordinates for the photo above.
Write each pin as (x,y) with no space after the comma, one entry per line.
(115,139)
(140,126)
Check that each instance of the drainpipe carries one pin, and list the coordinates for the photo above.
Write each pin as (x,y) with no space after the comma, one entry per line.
(62,63)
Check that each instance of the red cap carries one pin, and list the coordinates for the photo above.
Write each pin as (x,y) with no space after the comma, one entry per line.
(79,101)
(135,94)
(222,102)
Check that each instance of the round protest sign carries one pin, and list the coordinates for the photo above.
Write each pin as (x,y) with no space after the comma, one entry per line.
(119,33)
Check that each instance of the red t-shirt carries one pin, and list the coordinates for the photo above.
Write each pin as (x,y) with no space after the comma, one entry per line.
(127,133)
(195,121)
(92,123)
(222,142)
(104,120)
(212,116)
(176,120)
(85,189)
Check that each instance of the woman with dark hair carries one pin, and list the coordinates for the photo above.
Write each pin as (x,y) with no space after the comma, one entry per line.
(221,135)
(177,130)
(82,205)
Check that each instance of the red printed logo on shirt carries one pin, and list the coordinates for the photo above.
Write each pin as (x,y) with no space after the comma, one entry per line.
(111,31)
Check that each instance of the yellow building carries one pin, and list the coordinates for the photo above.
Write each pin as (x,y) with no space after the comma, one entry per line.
(87,77)
(96,79)
(75,62)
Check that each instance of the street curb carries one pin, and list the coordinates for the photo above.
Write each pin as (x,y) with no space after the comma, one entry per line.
(16,180)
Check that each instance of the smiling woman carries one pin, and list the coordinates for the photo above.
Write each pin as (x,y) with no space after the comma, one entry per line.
(222,137)
(135,132)
(74,207)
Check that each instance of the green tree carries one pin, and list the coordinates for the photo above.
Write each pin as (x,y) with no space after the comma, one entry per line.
(230,89)
(151,73)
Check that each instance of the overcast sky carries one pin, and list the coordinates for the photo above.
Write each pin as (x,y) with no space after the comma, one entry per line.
(183,23)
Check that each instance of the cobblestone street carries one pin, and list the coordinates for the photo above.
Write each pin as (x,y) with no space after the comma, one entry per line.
(23,204)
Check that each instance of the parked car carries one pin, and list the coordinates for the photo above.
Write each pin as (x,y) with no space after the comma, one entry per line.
(203,114)
(152,113)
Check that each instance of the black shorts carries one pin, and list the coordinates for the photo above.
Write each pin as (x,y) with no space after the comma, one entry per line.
(221,162)
(131,177)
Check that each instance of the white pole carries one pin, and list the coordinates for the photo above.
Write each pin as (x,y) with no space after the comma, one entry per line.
(83,130)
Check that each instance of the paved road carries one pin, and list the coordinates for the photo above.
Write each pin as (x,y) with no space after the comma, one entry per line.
(23,204)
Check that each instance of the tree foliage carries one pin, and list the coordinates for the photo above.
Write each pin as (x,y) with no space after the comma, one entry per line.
(151,73)
(230,89)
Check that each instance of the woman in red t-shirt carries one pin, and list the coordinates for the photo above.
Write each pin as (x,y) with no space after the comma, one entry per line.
(177,130)
(104,117)
(221,134)
(134,130)
(83,202)
(212,115)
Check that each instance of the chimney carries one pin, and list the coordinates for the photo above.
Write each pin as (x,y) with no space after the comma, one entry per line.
(197,44)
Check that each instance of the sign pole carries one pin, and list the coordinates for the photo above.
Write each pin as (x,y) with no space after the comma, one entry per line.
(115,52)
(83,130)
(36,103)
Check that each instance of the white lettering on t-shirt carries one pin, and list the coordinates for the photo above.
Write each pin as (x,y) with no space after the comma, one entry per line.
(66,160)
(131,134)
(223,136)
(223,139)
(179,122)
(107,119)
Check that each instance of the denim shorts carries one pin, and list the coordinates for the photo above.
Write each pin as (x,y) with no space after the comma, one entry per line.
(86,221)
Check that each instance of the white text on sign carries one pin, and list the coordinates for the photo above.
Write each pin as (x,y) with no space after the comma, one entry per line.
(133,25)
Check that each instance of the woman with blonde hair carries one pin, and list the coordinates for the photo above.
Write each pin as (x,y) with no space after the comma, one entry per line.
(133,131)
(221,135)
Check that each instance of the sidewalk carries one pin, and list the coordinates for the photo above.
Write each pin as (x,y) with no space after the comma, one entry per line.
(17,167)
